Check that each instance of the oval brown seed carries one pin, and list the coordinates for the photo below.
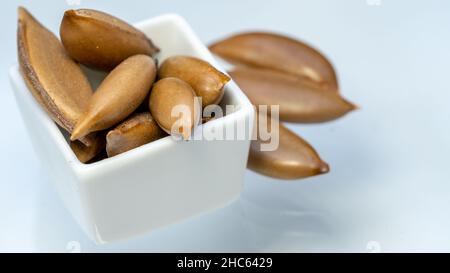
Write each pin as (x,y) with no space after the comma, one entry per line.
(85,153)
(53,78)
(293,159)
(207,81)
(168,94)
(120,93)
(273,51)
(100,40)
(300,100)
(136,131)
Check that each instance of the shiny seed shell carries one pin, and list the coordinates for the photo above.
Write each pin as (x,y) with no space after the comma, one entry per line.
(300,100)
(294,158)
(207,81)
(100,40)
(278,52)
(120,93)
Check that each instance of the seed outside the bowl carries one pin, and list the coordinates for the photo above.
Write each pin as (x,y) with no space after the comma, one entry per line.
(300,100)
(278,52)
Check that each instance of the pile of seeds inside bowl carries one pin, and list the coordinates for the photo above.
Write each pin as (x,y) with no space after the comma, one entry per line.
(122,113)
(133,104)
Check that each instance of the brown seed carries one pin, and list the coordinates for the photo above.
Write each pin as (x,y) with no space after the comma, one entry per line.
(166,95)
(273,51)
(300,100)
(293,159)
(85,153)
(136,131)
(99,157)
(53,78)
(207,81)
(207,119)
(100,40)
(120,93)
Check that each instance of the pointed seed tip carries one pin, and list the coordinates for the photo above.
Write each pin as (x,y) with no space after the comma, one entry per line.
(324,167)
(73,137)
(212,46)
(355,107)
(77,132)
(351,105)
(21,11)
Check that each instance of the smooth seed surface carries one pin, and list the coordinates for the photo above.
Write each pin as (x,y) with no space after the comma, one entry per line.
(100,40)
(294,158)
(120,93)
(278,52)
(300,100)
(207,81)
(167,94)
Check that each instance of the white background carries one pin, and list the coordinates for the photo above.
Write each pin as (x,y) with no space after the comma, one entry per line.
(389,186)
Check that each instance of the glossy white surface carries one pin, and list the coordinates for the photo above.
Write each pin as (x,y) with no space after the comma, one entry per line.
(389,185)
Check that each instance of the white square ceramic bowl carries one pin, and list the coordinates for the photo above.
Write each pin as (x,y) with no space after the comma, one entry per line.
(156,184)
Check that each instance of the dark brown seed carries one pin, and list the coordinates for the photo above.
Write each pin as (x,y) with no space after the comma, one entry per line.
(300,100)
(120,93)
(86,153)
(136,131)
(207,119)
(207,81)
(274,51)
(53,78)
(293,159)
(100,40)
(102,155)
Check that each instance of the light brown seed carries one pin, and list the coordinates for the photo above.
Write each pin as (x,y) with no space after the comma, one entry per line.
(53,78)
(274,51)
(166,95)
(100,40)
(85,153)
(137,130)
(293,159)
(120,93)
(207,81)
(300,100)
